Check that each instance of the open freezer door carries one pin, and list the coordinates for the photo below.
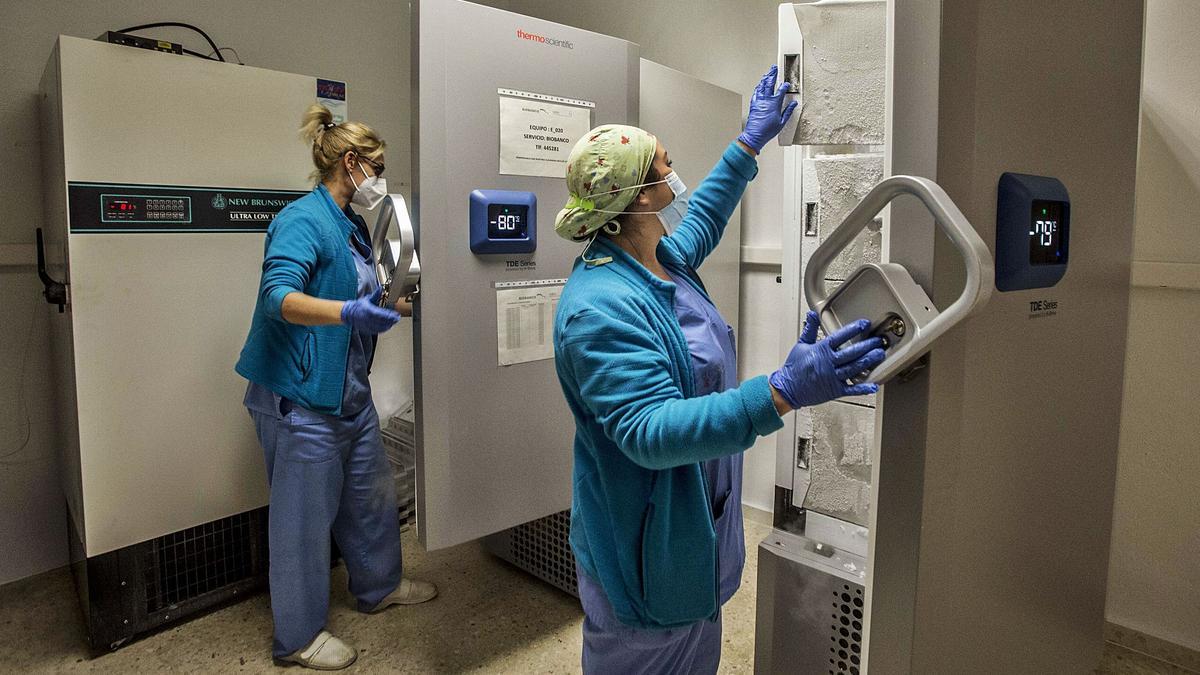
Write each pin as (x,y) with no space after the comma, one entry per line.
(501,100)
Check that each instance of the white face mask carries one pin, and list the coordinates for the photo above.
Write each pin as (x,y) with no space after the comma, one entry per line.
(672,214)
(370,192)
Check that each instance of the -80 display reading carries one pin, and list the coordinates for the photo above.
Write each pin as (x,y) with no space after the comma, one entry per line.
(507,221)
(1046,233)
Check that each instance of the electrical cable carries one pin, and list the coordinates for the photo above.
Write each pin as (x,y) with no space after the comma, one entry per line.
(177,24)
(229,49)
(21,395)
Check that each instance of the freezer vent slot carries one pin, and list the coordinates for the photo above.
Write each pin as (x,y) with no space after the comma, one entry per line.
(542,548)
(185,565)
(845,631)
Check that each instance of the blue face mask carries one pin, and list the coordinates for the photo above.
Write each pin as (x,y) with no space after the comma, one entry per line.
(672,214)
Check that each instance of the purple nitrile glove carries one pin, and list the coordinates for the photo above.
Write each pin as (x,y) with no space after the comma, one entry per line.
(767,117)
(365,315)
(818,372)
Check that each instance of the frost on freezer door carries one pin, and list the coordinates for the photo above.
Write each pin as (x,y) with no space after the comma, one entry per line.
(842,181)
(840,461)
(842,73)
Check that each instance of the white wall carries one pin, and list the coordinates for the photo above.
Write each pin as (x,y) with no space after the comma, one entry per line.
(299,36)
(730,44)
(1154,574)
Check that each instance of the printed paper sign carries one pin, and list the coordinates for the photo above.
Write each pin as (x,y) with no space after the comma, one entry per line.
(525,320)
(537,132)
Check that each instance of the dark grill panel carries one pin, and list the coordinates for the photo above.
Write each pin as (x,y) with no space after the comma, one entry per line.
(845,631)
(185,565)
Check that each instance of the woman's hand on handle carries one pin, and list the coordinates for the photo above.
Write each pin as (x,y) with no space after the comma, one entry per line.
(767,115)
(364,314)
(818,372)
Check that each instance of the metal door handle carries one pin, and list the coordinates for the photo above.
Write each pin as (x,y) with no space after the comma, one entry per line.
(55,292)
(397,266)
(924,327)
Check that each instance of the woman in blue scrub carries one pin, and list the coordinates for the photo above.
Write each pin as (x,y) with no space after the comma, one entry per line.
(648,367)
(311,343)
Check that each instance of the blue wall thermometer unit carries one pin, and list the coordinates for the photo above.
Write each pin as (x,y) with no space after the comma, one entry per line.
(1033,231)
(503,221)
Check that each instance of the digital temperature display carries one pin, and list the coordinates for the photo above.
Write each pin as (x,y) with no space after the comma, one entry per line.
(145,209)
(1046,233)
(503,222)
(507,221)
(1033,231)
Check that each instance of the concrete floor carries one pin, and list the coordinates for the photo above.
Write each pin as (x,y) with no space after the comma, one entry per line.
(489,618)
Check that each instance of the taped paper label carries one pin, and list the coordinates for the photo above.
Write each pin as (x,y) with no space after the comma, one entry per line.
(525,320)
(538,131)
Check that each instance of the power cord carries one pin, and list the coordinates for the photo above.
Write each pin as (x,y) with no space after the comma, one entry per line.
(5,455)
(228,49)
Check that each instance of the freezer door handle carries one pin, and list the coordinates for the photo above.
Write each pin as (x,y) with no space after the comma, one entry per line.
(396,263)
(55,292)
(899,309)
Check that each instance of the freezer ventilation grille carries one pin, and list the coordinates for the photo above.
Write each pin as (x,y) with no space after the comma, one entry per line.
(845,631)
(542,547)
(185,565)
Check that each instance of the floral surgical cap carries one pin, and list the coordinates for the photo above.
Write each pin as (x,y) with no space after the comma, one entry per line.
(605,171)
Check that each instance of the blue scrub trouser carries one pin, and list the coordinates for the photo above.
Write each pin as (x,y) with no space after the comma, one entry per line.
(326,475)
(610,646)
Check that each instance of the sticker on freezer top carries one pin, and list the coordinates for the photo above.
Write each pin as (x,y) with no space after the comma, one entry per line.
(538,131)
(332,95)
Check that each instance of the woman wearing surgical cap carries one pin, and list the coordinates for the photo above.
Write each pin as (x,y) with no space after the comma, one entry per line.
(648,368)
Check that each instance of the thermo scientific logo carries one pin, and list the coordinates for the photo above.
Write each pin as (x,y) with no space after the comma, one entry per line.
(549,42)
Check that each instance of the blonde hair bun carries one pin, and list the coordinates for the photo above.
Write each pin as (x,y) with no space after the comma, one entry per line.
(330,141)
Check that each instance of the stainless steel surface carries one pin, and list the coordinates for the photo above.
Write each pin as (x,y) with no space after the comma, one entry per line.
(840,534)
(147,451)
(810,607)
(877,291)
(398,253)
(493,443)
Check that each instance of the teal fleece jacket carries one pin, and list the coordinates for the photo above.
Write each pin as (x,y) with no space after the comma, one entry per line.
(641,523)
(307,252)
